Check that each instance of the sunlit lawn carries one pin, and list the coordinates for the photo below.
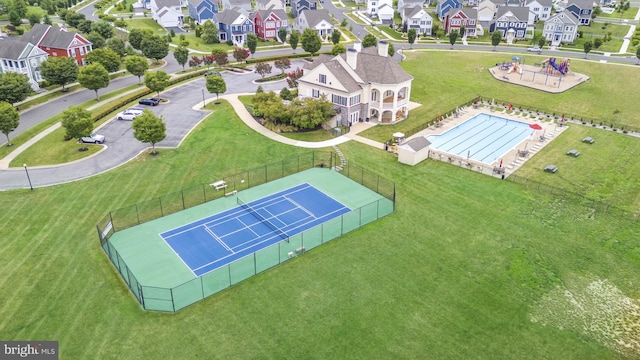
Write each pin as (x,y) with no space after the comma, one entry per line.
(455,273)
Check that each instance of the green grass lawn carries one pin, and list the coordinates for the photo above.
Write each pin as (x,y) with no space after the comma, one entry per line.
(601,29)
(469,267)
(146,23)
(457,272)
(36,10)
(627,14)
(467,73)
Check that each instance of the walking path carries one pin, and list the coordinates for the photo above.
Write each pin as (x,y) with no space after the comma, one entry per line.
(627,39)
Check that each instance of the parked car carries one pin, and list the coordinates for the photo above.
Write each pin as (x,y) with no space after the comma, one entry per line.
(149,101)
(535,48)
(94,138)
(128,115)
(211,72)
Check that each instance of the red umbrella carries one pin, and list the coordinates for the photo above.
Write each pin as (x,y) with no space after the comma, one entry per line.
(535,126)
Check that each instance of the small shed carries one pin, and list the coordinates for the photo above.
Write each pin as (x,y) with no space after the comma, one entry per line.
(414,151)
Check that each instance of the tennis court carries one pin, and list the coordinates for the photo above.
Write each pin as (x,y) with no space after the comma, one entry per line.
(217,240)
(483,138)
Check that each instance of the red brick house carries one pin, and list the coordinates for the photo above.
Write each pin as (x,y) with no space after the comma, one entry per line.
(58,42)
(456,18)
(268,22)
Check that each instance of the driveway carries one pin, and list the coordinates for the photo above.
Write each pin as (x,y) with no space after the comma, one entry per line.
(120,144)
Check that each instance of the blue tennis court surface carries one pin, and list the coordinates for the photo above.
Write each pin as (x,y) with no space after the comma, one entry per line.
(484,138)
(219,239)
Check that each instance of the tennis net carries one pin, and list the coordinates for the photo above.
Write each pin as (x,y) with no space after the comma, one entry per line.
(262,219)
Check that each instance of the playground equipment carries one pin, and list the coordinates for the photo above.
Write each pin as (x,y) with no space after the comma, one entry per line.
(515,66)
(550,66)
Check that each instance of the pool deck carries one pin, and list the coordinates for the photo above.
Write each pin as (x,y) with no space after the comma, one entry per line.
(511,161)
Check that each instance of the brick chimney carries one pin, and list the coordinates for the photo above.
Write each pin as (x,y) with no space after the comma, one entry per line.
(383,48)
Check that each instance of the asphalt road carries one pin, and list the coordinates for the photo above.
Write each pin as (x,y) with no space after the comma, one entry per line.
(120,144)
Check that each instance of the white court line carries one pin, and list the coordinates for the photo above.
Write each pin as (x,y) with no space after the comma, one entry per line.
(217,238)
(178,255)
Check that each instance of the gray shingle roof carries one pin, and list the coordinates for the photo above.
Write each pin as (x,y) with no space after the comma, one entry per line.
(520,12)
(565,17)
(379,69)
(36,33)
(314,17)
(410,12)
(417,144)
(545,3)
(582,4)
(278,12)
(167,3)
(227,16)
(13,49)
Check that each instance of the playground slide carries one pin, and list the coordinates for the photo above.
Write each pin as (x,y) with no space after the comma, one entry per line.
(511,68)
(552,62)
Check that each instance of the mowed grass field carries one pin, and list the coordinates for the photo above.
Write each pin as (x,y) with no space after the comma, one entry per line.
(467,267)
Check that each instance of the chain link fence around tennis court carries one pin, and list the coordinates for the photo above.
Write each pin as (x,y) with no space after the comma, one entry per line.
(178,297)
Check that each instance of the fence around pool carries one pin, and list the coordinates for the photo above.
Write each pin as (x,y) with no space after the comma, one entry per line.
(174,298)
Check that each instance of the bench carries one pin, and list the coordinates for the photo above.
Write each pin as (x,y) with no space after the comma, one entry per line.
(219,185)
(300,250)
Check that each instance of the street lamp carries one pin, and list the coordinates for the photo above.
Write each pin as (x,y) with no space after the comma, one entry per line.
(203,104)
(28,178)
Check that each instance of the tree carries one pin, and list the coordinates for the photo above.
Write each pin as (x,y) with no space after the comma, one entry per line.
(221,57)
(136,65)
(103,28)
(240,54)
(541,42)
(209,32)
(597,42)
(195,61)
(263,68)
(182,55)
(117,45)
(33,18)
(310,40)
(20,6)
(252,42)
(391,50)
(294,37)
(208,60)
(369,40)
(93,77)
(9,119)
(97,41)
(156,81)
(14,87)
(149,128)
(338,49)
(85,26)
(310,113)
(453,36)
(282,64)
(136,35)
(77,122)
(587,47)
(638,54)
(216,85)
(154,47)
(343,23)
(59,70)
(463,32)
(107,57)
(335,36)
(46,19)
(14,18)
(73,18)
(496,37)
(411,36)
(282,34)
(285,94)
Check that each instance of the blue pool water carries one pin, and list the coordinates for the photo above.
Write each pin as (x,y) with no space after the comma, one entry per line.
(484,138)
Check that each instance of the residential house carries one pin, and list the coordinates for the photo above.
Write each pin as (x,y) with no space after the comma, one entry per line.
(413,3)
(268,22)
(374,6)
(417,18)
(487,10)
(444,6)
(561,28)
(167,13)
(234,25)
(318,20)
(298,6)
(470,3)
(541,8)
(363,84)
(237,5)
(18,55)
(269,4)
(582,10)
(512,17)
(203,10)
(57,42)
(386,13)
(456,18)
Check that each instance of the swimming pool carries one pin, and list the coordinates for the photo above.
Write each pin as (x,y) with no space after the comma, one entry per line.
(484,138)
